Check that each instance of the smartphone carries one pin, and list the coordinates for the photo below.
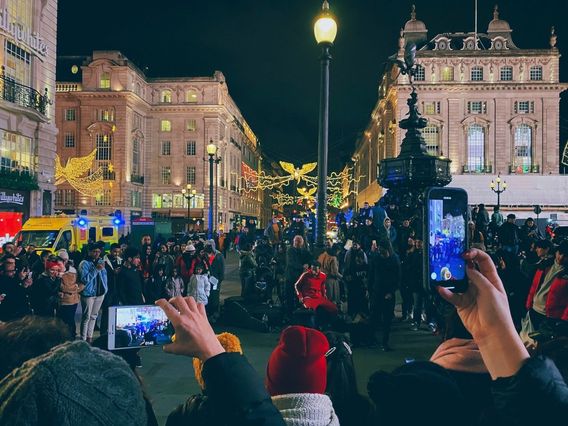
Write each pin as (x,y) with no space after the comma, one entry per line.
(446,224)
(137,327)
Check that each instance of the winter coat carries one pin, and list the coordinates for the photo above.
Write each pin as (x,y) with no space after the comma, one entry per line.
(247,264)
(16,303)
(330,267)
(296,258)
(302,409)
(155,288)
(508,234)
(217,262)
(199,288)
(44,294)
(69,289)
(557,298)
(174,287)
(129,286)
(384,275)
(537,384)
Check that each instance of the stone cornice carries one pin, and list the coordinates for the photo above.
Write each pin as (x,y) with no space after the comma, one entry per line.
(454,87)
(517,53)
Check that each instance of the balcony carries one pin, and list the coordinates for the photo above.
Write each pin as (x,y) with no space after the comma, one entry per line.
(24,96)
(137,179)
(523,169)
(68,87)
(487,168)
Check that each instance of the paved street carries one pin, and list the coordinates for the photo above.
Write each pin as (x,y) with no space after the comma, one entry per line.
(169,379)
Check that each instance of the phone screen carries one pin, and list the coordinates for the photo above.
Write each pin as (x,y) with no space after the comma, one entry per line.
(447,213)
(137,327)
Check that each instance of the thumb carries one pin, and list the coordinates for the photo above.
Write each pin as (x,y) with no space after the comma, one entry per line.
(449,296)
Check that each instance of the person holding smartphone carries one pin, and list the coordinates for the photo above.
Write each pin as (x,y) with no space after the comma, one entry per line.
(93,276)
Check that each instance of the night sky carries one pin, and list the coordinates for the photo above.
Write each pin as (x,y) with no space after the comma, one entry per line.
(269,56)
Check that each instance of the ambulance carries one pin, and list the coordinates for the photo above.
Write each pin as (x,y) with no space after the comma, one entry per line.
(58,232)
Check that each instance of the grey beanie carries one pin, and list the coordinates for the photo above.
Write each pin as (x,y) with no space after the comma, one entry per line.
(211,243)
(72,384)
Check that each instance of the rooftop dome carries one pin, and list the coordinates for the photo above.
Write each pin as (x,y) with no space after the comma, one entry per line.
(498,25)
(414,25)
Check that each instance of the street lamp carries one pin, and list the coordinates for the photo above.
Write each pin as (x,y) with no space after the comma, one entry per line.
(212,152)
(188,194)
(325,30)
(498,189)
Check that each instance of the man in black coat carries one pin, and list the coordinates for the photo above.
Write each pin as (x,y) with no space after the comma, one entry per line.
(129,280)
(14,300)
(297,260)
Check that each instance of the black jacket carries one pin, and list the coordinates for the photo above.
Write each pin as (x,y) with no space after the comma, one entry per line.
(129,286)
(16,303)
(537,394)
(384,274)
(237,392)
(44,295)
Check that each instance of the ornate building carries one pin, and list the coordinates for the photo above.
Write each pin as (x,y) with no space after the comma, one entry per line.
(151,136)
(28,36)
(492,108)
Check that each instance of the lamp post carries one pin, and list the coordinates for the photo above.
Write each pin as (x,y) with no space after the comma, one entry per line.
(325,30)
(212,152)
(496,187)
(188,194)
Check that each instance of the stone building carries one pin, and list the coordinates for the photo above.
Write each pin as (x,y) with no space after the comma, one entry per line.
(492,108)
(28,35)
(151,136)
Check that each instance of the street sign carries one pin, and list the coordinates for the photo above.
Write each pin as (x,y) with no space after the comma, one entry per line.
(537,209)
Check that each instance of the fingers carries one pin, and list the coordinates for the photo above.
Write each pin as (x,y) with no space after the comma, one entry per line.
(201,308)
(171,312)
(181,305)
(451,297)
(486,267)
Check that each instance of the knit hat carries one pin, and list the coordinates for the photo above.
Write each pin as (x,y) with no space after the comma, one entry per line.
(190,247)
(63,254)
(297,364)
(230,343)
(50,264)
(210,243)
(72,384)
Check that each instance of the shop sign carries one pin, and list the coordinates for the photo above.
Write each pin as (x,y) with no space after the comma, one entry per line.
(23,34)
(11,199)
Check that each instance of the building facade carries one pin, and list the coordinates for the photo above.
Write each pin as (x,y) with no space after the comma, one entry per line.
(28,36)
(151,136)
(492,108)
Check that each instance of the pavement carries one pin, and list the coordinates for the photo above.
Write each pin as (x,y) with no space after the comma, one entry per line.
(169,379)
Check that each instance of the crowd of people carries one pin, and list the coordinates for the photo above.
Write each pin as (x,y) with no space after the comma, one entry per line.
(489,367)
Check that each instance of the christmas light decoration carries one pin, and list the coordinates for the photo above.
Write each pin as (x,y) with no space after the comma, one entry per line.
(74,171)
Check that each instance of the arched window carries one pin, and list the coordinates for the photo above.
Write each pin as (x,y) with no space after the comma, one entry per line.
(191,96)
(431,134)
(522,152)
(475,148)
(166,96)
(104,83)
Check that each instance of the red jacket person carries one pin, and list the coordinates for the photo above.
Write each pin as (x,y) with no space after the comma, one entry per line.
(310,289)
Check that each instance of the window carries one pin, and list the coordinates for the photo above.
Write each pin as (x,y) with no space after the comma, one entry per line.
(69,141)
(64,241)
(17,63)
(65,197)
(135,199)
(104,198)
(104,147)
(506,73)
(17,153)
(523,107)
(447,74)
(420,73)
(475,148)
(104,82)
(191,125)
(108,171)
(431,108)
(166,96)
(166,175)
(522,155)
(431,136)
(190,174)
(166,126)
(190,148)
(135,157)
(107,231)
(105,115)
(70,114)
(166,148)
(191,96)
(477,74)
(535,73)
(477,107)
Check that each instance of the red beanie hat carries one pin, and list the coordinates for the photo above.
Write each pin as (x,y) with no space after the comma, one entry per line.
(298,364)
(50,264)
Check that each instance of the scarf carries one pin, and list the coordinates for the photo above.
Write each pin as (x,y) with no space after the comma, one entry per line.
(459,355)
(306,409)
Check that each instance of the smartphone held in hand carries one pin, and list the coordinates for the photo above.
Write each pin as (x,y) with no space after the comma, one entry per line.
(137,327)
(446,235)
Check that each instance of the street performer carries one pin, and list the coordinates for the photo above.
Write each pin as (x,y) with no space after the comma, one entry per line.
(310,289)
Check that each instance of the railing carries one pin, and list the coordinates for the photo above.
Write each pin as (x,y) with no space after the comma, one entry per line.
(524,169)
(481,168)
(21,95)
(137,179)
(68,87)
